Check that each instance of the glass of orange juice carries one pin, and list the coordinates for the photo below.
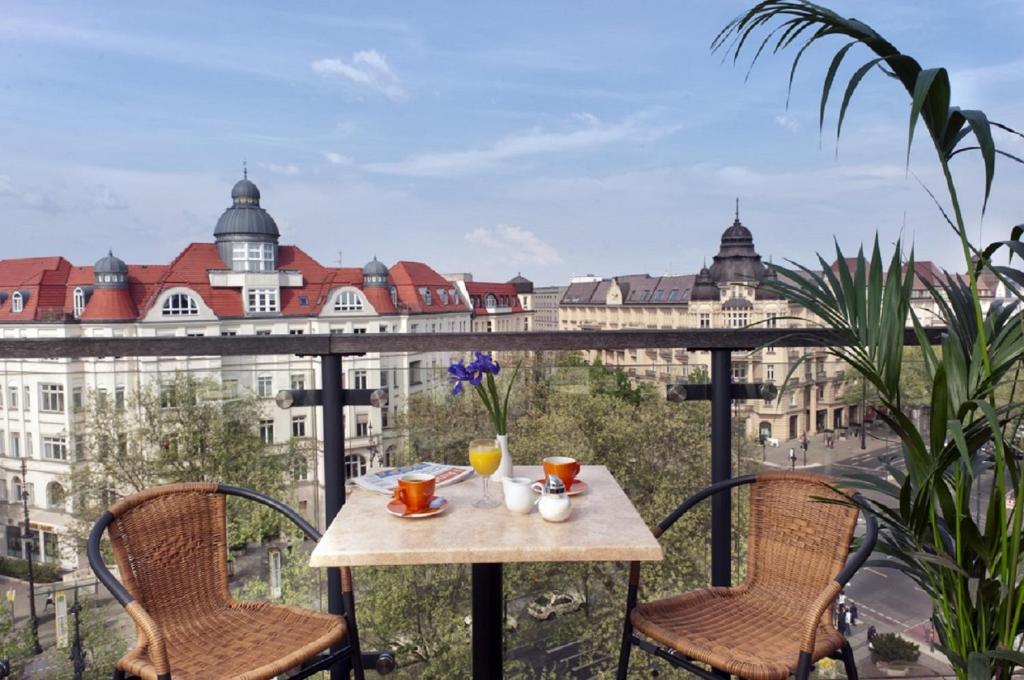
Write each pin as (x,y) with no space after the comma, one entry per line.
(485,456)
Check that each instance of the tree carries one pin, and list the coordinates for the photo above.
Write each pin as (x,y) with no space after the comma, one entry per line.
(182,430)
(659,453)
(16,642)
(104,641)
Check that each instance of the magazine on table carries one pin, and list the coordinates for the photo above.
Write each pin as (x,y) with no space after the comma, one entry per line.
(385,481)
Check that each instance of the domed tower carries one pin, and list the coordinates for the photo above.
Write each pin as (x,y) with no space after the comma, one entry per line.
(764,293)
(110,272)
(736,260)
(111,300)
(246,234)
(375,274)
(704,287)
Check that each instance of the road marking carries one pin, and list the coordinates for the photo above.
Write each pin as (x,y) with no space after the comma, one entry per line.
(875,571)
(880,614)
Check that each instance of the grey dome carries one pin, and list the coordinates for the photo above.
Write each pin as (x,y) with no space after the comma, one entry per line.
(765,293)
(704,287)
(375,268)
(736,259)
(109,264)
(375,274)
(245,189)
(245,219)
(522,284)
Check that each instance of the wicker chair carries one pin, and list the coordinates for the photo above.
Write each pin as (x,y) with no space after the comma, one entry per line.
(170,544)
(778,622)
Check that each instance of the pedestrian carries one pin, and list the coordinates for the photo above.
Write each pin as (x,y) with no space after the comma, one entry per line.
(872,632)
(840,612)
(49,602)
(842,598)
(853,613)
(850,619)
(843,624)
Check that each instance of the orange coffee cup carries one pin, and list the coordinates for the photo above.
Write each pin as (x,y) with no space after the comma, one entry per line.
(415,490)
(564,468)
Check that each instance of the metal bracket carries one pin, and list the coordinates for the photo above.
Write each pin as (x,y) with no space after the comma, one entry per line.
(681,392)
(289,398)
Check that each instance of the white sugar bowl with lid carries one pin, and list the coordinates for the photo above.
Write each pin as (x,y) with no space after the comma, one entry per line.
(554,504)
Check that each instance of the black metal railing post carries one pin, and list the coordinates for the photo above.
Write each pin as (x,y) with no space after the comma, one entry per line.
(721,466)
(334,477)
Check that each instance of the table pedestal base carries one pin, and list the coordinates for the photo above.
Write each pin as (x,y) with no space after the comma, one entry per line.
(488,617)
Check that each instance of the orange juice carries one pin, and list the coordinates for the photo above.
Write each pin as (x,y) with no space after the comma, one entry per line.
(485,459)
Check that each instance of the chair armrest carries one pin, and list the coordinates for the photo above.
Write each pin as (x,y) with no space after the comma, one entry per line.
(157,650)
(827,596)
(696,498)
(295,517)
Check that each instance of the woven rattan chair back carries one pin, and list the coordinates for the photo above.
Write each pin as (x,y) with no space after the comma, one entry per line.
(170,547)
(798,542)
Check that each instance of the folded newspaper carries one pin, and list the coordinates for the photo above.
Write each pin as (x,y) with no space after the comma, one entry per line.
(385,481)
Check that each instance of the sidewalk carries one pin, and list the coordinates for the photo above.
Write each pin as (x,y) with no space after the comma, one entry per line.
(879,441)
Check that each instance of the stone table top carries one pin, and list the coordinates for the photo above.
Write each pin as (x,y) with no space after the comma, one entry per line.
(604,526)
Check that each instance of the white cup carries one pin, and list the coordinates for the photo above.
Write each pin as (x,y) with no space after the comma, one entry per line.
(519,495)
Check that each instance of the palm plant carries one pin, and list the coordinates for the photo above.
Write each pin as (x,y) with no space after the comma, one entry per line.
(971,567)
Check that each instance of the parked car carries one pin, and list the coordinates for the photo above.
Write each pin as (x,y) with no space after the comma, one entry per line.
(511,622)
(546,606)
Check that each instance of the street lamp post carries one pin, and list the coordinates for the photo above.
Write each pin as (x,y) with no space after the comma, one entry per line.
(77,653)
(26,538)
(764,447)
(863,412)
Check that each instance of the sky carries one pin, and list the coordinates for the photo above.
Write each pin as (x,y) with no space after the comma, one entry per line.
(548,138)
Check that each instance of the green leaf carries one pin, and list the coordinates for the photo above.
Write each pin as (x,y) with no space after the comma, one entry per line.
(983,131)
(850,87)
(922,91)
(829,77)
(979,667)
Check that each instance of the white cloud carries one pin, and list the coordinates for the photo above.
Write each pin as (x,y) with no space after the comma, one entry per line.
(368,68)
(788,122)
(26,198)
(105,197)
(336,158)
(514,244)
(590,134)
(289,169)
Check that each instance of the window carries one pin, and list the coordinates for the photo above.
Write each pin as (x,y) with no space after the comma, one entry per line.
(348,301)
(3,489)
(51,398)
(78,302)
(27,403)
(658,294)
(267,431)
(265,386)
(119,397)
(428,299)
(298,382)
(490,300)
(29,445)
(769,372)
(773,320)
(705,320)
(296,331)
(263,331)
(394,296)
(443,294)
(55,448)
(359,380)
(262,300)
(180,304)
(362,425)
(194,334)
(384,378)
(355,465)
(414,373)
(252,257)
(737,319)
(17,302)
(383,417)
(304,300)
(739,372)
(55,497)
(673,294)
(821,391)
(792,398)
(414,328)
(298,426)
(357,330)
(228,334)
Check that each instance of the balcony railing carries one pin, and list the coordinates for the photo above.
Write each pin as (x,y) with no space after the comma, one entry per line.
(332,354)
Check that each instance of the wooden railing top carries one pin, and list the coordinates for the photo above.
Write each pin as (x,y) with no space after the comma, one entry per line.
(352,344)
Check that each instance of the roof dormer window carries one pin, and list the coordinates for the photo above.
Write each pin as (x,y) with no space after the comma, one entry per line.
(348,301)
(490,300)
(17,302)
(180,304)
(263,300)
(78,302)
(443,294)
(427,297)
